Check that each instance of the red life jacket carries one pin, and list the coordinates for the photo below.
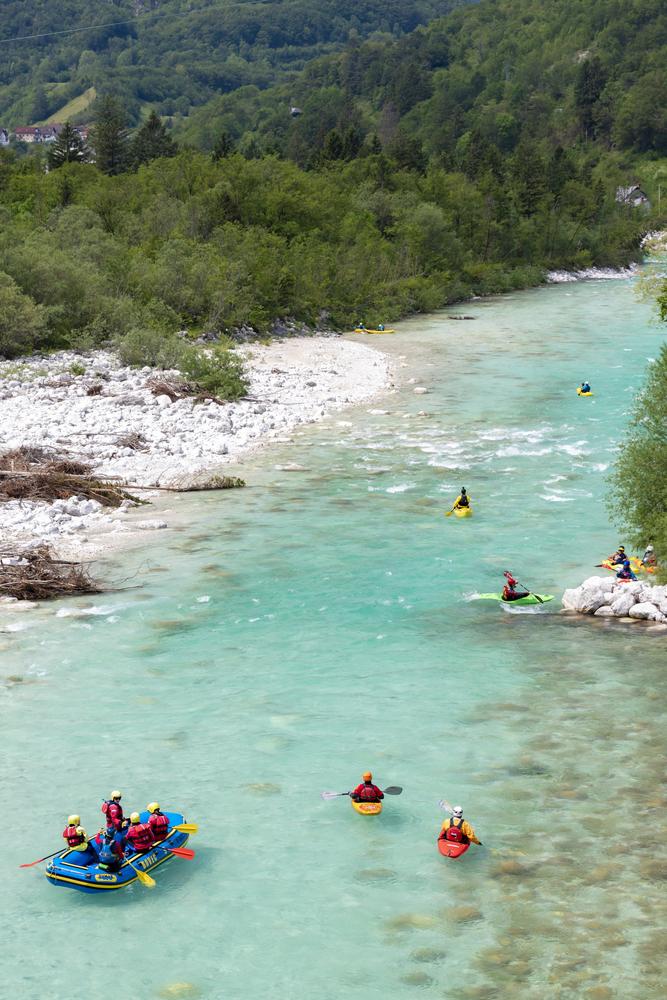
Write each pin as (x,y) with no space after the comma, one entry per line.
(140,837)
(368,793)
(113,812)
(159,824)
(72,837)
(455,833)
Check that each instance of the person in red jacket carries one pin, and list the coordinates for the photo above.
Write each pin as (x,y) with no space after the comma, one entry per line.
(510,593)
(158,822)
(367,791)
(74,833)
(113,811)
(139,835)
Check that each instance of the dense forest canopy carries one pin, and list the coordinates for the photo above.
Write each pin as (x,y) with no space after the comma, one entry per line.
(499,72)
(174,54)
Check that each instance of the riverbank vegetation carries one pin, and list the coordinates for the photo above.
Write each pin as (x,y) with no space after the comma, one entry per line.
(390,175)
(638,498)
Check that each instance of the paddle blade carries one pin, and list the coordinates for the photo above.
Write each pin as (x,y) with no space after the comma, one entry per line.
(393,790)
(444,804)
(182,852)
(145,879)
(29,864)
(332,795)
(449,513)
(186,827)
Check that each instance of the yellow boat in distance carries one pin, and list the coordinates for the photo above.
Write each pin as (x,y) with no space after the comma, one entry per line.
(360,330)
(581,393)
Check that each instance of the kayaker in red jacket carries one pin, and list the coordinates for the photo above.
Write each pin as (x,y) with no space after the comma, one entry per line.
(510,593)
(367,791)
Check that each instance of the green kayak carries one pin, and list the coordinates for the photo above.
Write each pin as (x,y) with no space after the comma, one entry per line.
(528,599)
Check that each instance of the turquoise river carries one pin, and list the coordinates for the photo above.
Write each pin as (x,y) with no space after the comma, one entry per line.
(282,639)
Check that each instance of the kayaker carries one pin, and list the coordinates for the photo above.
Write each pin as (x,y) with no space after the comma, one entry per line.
(625,572)
(649,558)
(158,822)
(462,500)
(367,791)
(381,327)
(458,829)
(139,835)
(113,811)
(585,387)
(619,556)
(510,593)
(361,325)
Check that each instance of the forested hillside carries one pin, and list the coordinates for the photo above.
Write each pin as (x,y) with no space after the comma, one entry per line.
(174,54)
(501,72)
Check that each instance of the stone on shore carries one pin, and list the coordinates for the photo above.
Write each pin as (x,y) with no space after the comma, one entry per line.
(607,597)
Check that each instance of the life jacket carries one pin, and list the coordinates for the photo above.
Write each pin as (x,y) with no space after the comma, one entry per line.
(140,836)
(463,501)
(368,793)
(455,832)
(113,812)
(159,824)
(73,838)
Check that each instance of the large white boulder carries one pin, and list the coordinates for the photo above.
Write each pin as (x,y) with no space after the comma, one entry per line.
(622,603)
(647,612)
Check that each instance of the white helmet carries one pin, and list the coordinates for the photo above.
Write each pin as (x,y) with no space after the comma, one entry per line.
(649,548)
(458,811)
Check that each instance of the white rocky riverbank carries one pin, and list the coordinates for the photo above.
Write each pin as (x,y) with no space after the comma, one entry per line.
(606,597)
(47,402)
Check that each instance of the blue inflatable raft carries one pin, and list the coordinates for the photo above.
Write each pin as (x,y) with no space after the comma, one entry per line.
(63,869)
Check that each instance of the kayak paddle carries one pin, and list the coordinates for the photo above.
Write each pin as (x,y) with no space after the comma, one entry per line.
(450,512)
(444,804)
(31,863)
(392,790)
(145,879)
(533,594)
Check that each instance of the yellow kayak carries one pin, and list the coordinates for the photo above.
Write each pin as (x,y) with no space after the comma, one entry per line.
(367,808)
(463,511)
(359,330)
(580,393)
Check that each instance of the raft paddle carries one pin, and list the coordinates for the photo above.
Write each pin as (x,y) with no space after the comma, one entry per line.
(31,863)
(392,790)
(145,879)
(186,827)
(181,852)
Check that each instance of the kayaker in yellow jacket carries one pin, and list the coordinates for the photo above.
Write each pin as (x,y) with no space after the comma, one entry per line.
(466,835)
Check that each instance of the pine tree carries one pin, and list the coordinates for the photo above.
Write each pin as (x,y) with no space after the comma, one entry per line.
(588,86)
(152,141)
(110,136)
(69,147)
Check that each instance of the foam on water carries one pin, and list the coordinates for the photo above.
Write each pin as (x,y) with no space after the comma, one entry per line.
(340,634)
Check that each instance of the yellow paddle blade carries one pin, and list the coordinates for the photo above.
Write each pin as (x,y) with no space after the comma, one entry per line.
(449,513)
(145,879)
(187,827)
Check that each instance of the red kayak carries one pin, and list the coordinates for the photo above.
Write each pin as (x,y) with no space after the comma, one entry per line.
(450,848)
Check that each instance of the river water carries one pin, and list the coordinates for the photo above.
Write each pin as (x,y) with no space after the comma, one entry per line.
(287,637)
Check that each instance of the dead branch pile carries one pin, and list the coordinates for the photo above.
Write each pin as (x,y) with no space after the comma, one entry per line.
(35,575)
(179,388)
(30,473)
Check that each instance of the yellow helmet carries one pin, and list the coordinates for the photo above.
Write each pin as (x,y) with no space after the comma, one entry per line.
(367,776)
(116,795)
(73,820)
(135,818)
(152,806)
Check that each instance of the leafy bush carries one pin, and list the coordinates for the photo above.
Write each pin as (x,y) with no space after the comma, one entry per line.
(23,324)
(218,370)
(150,346)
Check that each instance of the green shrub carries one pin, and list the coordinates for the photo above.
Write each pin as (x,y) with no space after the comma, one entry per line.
(217,370)
(77,369)
(150,346)
(23,324)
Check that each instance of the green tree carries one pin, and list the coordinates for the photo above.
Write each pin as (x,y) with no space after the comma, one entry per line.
(69,147)
(40,106)
(23,324)
(588,87)
(224,146)
(152,141)
(638,500)
(110,136)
